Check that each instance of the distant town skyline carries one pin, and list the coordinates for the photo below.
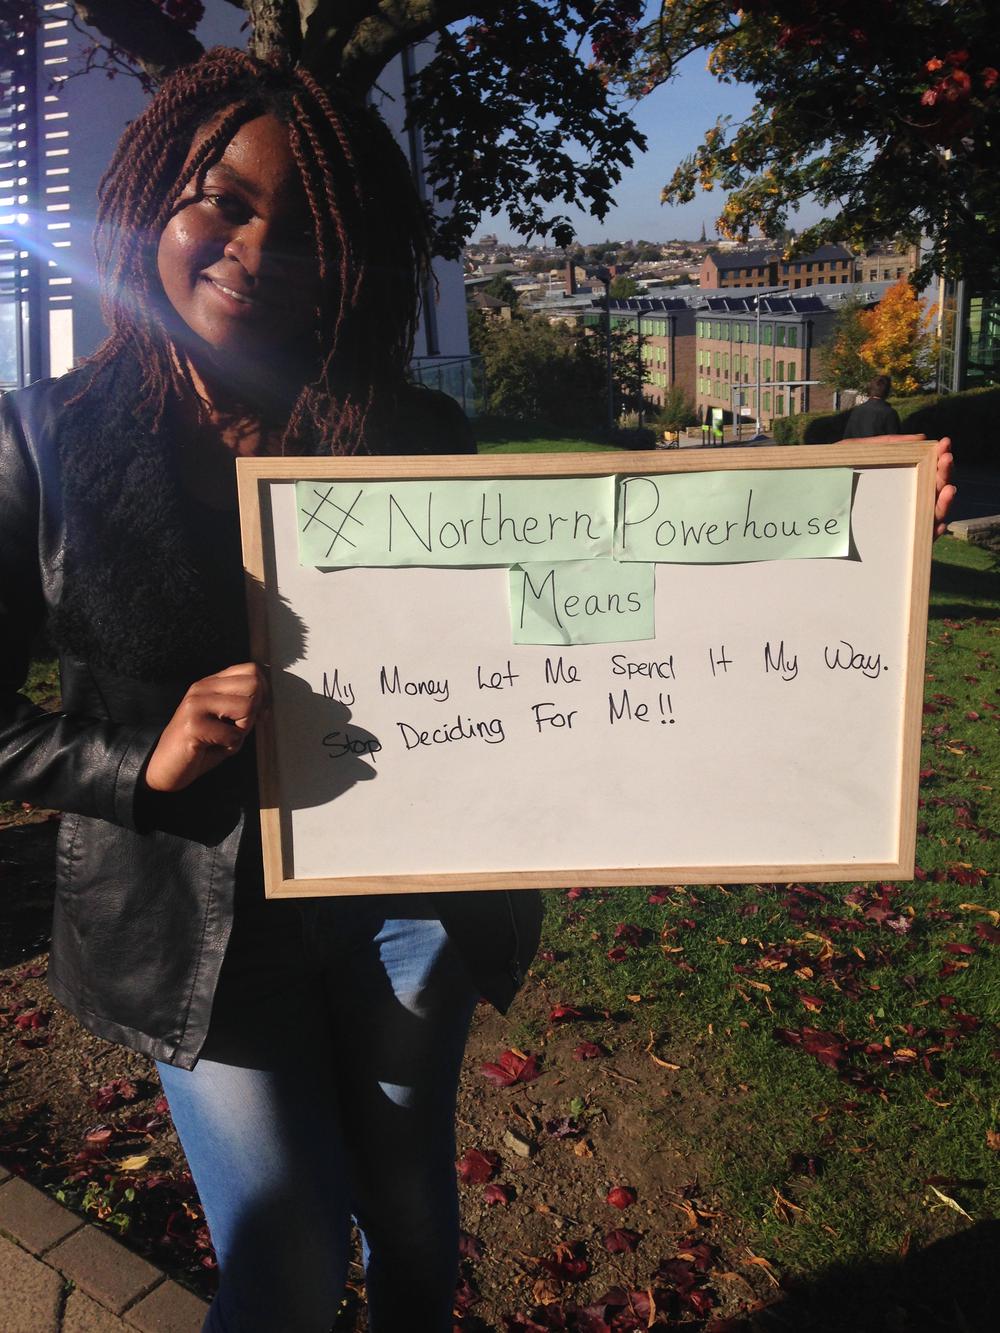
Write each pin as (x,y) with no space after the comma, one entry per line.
(674,119)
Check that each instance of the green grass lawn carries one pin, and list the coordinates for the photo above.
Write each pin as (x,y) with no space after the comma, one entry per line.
(848,1034)
(496,436)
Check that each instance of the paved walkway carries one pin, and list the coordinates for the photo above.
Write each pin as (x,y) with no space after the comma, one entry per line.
(60,1275)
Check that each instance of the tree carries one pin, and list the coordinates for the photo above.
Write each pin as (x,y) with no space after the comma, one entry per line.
(899,341)
(842,360)
(502,289)
(628,374)
(888,113)
(677,409)
(537,371)
(515,116)
(622,287)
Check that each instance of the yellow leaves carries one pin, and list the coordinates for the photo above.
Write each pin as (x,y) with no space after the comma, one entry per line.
(986,911)
(663,1064)
(898,339)
(949,1202)
(132,1163)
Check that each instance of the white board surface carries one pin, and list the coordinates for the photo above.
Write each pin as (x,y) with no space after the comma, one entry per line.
(764,729)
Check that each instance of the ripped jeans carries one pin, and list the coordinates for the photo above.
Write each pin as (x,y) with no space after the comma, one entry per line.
(326,1092)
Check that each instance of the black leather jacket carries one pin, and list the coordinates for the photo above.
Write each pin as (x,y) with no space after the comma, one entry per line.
(145,885)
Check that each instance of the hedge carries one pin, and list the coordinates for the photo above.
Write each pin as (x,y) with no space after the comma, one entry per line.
(968,418)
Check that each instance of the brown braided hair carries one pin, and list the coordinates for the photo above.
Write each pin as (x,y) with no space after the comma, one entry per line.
(371,236)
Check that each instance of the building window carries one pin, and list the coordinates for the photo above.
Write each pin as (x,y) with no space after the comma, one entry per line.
(767,368)
(766,334)
(793,337)
(717,361)
(746,365)
(725,364)
(791,370)
(779,404)
(779,335)
(767,400)
(779,372)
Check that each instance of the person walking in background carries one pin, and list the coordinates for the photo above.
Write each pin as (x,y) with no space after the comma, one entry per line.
(874,416)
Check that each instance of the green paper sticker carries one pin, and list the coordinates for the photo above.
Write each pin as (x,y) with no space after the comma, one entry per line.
(728,517)
(581,601)
(454,522)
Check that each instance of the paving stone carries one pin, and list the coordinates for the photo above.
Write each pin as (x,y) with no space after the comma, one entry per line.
(82,1315)
(103,1269)
(30,1292)
(167,1309)
(32,1218)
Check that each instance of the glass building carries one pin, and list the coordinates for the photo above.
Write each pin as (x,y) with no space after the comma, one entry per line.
(969,356)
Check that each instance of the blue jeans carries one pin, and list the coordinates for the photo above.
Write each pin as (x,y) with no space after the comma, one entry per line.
(326,1091)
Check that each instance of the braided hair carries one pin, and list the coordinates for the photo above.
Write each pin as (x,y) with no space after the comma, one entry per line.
(371,234)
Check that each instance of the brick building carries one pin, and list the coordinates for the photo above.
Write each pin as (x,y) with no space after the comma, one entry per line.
(830,264)
(726,350)
(665,326)
(738,268)
(886,263)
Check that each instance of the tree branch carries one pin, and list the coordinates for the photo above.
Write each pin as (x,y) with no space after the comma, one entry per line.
(140,27)
(359,38)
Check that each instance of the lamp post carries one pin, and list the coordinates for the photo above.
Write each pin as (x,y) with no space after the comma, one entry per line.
(603,275)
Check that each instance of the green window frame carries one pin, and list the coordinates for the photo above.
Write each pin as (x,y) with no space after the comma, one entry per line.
(779,335)
(793,338)
(767,334)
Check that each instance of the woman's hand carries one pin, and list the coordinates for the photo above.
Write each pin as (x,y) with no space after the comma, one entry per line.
(945,491)
(211,723)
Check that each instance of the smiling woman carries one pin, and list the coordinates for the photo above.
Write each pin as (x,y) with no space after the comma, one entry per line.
(237,259)
(261,247)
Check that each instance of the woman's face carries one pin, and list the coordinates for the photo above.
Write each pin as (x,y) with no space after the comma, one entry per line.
(237,258)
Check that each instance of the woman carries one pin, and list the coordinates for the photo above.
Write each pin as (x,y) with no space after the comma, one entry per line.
(261,248)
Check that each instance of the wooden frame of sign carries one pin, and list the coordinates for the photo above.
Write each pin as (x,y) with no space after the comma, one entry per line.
(698,798)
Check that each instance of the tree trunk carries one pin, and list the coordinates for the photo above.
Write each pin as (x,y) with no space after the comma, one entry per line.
(275,29)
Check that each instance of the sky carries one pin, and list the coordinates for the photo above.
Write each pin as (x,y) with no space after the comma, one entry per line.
(674,119)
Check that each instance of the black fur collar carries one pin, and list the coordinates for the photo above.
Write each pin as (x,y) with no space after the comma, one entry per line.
(152,581)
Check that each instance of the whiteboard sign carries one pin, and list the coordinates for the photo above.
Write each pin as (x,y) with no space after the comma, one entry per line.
(762,723)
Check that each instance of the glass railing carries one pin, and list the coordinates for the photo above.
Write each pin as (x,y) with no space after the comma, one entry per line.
(460,377)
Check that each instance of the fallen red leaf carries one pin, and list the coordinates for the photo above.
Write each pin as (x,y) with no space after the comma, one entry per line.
(511,1068)
(621,1241)
(114,1094)
(618,954)
(475,1167)
(469,1246)
(587,1050)
(498,1194)
(621,1196)
(568,1263)
(562,1013)
(32,1019)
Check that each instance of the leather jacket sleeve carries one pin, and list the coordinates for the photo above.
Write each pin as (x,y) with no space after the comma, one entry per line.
(83,765)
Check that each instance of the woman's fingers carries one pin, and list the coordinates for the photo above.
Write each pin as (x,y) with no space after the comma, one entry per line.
(210,723)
